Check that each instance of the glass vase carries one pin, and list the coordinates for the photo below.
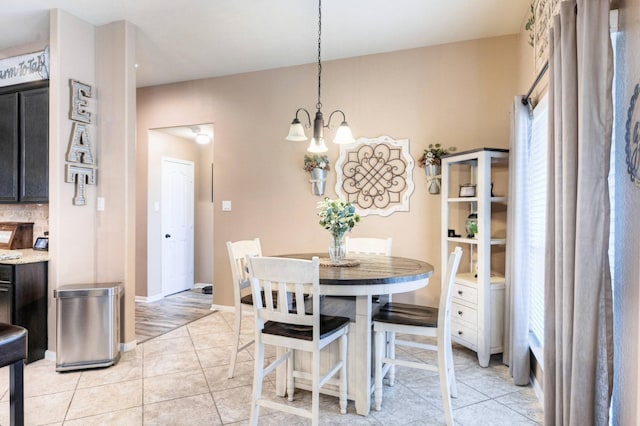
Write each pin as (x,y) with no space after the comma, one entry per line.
(336,249)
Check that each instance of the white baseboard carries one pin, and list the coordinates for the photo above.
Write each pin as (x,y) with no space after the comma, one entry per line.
(227,308)
(149,299)
(156,297)
(50,355)
(128,346)
(222,308)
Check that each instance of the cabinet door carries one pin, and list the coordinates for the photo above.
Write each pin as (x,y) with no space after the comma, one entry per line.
(9,148)
(5,303)
(34,145)
(30,305)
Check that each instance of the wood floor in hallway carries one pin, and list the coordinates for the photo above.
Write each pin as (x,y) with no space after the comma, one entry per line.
(157,318)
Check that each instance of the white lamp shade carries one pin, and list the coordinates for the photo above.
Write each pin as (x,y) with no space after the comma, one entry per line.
(202,138)
(317,145)
(343,134)
(296,132)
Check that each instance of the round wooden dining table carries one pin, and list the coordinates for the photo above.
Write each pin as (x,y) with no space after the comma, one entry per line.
(371,275)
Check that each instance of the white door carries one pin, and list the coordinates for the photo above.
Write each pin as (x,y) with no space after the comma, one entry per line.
(177,225)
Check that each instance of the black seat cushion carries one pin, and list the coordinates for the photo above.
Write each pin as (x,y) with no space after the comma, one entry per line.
(404,313)
(328,325)
(13,344)
(248,299)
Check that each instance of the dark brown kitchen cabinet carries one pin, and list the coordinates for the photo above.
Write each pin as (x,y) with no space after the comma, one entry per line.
(9,144)
(24,137)
(23,302)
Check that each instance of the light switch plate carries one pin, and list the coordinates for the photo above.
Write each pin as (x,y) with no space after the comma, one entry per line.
(100,204)
(226,206)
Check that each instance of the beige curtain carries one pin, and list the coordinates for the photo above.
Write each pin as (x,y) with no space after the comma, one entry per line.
(578,349)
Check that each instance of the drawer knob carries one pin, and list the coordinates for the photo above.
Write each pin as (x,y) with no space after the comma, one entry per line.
(459,292)
(460,313)
(459,332)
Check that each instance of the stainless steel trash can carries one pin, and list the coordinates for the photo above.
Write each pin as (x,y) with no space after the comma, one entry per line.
(88,325)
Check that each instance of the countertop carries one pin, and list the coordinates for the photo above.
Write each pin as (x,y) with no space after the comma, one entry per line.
(17,257)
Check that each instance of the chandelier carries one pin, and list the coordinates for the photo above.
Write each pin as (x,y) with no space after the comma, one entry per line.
(296,131)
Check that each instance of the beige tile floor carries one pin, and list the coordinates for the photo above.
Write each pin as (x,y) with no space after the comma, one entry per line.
(180,378)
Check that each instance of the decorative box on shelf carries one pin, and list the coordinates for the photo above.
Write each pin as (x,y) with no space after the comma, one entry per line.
(16,235)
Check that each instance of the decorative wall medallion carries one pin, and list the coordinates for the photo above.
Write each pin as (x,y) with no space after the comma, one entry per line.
(631,144)
(376,175)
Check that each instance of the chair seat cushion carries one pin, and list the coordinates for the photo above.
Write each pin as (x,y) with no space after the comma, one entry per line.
(248,299)
(407,314)
(13,344)
(328,325)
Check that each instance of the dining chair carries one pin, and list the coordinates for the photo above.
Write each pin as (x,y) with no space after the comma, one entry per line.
(366,245)
(294,328)
(418,321)
(13,353)
(237,254)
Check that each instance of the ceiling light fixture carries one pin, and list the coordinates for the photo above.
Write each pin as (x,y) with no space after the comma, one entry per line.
(296,131)
(201,137)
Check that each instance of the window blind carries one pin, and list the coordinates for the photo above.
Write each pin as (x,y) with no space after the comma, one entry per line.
(537,204)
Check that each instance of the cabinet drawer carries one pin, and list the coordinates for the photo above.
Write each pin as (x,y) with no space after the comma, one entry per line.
(6,274)
(463,313)
(463,292)
(462,331)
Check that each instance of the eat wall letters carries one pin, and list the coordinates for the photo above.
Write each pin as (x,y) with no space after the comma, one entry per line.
(80,167)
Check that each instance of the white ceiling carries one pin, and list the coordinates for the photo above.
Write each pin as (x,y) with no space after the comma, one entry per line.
(179,40)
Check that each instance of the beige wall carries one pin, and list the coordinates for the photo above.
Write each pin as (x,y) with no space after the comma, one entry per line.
(72,243)
(115,122)
(88,246)
(456,94)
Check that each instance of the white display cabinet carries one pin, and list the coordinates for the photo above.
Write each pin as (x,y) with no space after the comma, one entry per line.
(469,181)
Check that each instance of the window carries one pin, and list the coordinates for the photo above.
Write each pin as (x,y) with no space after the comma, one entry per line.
(536,223)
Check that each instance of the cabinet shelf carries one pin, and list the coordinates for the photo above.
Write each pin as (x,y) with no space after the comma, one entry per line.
(501,199)
(493,241)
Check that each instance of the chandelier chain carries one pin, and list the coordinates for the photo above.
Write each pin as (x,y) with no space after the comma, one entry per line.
(319,104)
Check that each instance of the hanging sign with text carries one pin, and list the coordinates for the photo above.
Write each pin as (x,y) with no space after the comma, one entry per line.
(24,68)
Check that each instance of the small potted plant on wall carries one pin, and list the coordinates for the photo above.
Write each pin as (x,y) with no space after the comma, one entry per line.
(317,166)
(431,162)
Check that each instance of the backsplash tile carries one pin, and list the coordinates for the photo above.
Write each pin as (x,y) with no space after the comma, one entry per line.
(36,213)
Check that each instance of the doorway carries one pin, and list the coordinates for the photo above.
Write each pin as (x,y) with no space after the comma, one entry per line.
(178,143)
